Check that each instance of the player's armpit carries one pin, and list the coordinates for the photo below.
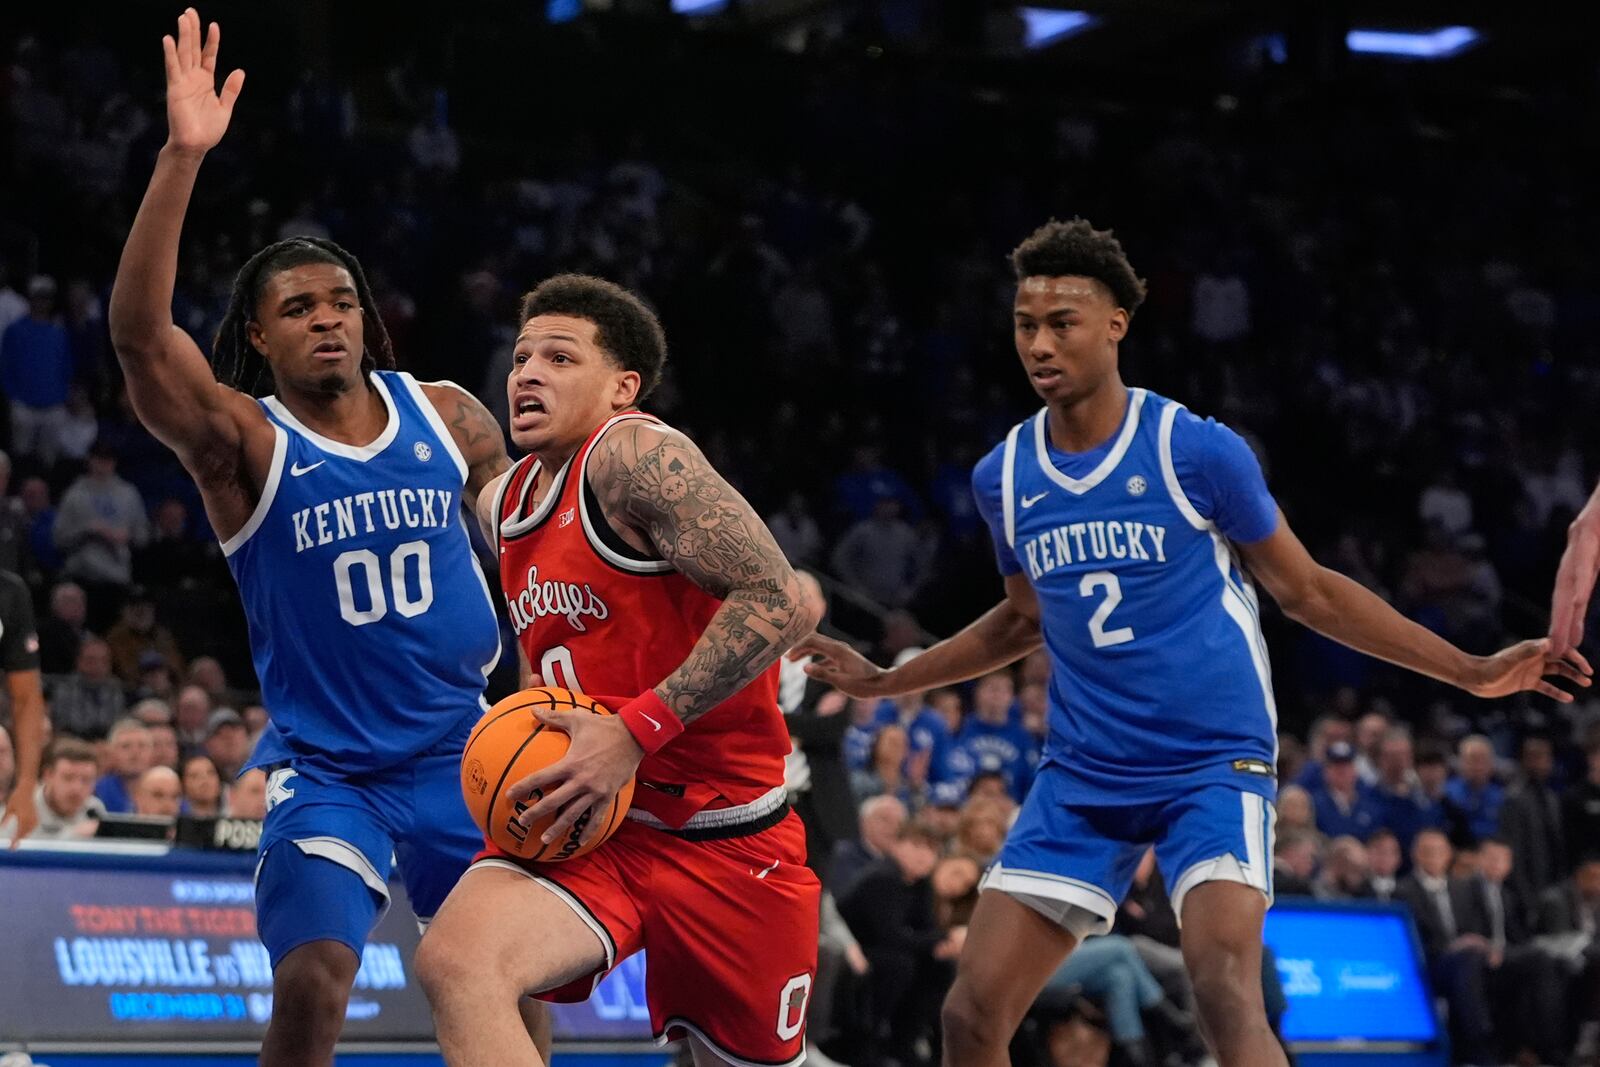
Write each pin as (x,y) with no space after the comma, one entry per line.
(477,435)
(659,483)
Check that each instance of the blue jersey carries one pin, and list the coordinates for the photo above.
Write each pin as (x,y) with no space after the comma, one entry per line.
(1160,673)
(370,622)
(926,732)
(987,748)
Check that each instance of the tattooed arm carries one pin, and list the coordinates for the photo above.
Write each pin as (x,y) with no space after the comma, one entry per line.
(481,442)
(656,482)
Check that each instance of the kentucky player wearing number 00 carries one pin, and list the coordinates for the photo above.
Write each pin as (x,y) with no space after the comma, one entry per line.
(338,502)
(1127,530)
(635,574)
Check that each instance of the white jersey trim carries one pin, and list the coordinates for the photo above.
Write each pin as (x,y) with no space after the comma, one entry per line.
(603,550)
(720,1052)
(488,599)
(431,413)
(714,818)
(269,492)
(1080,907)
(1079,486)
(1238,598)
(359,453)
(522,526)
(347,856)
(607,946)
(1008,486)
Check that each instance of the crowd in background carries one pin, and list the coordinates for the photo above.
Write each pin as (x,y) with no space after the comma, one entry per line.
(1399,321)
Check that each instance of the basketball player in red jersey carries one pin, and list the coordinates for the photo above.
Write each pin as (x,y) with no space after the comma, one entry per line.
(634,573)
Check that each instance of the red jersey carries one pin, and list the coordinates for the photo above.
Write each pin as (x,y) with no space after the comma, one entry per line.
(596,615)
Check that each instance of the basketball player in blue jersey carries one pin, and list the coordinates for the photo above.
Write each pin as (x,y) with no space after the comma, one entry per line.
(1126,529)
(338,502)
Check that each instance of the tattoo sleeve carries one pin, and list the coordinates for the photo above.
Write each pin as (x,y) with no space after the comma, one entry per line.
(476,434)
(662,485)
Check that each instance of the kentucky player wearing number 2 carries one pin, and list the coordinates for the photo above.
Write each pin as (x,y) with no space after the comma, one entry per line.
(1126,529)
(634,573)
(338,502)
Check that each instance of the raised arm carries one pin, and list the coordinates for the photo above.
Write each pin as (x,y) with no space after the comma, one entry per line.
(999,637)
(169,380)
(1575,578)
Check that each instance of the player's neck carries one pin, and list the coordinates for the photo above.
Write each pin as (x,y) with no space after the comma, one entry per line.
(353,417)
(1087,422)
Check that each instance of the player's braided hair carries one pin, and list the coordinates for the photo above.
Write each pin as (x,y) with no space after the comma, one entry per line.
(1058,249)
(235,360)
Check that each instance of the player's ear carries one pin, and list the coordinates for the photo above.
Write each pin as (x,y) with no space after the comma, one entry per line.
(1117,327)
(258,338)
(627,390)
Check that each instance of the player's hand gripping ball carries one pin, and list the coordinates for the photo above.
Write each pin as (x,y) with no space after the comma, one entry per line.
(510,743)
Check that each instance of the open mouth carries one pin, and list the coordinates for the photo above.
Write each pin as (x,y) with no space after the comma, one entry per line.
(1046,376)
(330,350)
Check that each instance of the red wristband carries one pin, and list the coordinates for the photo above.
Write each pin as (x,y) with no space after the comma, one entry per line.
(650,721)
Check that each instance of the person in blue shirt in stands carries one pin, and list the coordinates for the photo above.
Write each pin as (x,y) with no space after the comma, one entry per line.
(35,372)
(1472,792)
(1341,802)
(993,739)
(926,731)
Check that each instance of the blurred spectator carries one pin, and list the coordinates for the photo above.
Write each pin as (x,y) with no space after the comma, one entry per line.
(131,755)
(982,827)
(1324,732)
(926,733)
(247,795)
(1294,863)
(1580,811)
(868,482)
(1109,971)
(1473,792)
(101,521)
(136,634)
(1384,860)
(202,788)
(164,746)
(1445,504)
(1569,920)
(35,497)
(911,959)
(955,887)
(1448,915)
(886,768)
(857,744)
(796,531)
(1345,874)
(86,702)
(157,680)
(227,741)
(14,549)
(883,556)
(1398,799)
(207,673)
(1296,810)
(881,818)
(159,793)
(67,805)
(151,710)
(173,558)
(1341,803)
(79,428)
(814,772)
(255,720)
(63,630)
(1530,821)
(1371,729)
(191,714)
(993,740)
(35,371)
(1523,979)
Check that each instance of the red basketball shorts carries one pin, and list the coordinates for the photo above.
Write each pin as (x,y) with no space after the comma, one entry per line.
(729,927)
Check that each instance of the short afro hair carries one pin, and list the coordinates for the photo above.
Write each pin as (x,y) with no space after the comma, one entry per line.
(624,327)
(1058,249)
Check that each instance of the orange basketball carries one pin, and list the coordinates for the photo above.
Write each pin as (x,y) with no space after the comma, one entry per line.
(506,746)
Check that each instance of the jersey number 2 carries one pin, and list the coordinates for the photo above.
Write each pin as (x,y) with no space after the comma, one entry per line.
(371,568)
(1092,583)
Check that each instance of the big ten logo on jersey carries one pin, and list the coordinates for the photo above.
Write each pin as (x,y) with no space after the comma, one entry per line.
(792,1007)
(1093,542)
(542,597)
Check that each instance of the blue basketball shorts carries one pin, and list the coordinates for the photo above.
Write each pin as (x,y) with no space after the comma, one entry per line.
(1073,861)
(329,844)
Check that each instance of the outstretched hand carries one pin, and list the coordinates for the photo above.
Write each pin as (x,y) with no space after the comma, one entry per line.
(1525,667)
(1575,579)
(197,113)
(840,666)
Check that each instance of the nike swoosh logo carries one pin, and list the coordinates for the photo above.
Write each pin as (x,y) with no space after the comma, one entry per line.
(646,717)
(1030,501)
(296,470)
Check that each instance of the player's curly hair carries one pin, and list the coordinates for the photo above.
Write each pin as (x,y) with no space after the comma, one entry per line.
(1058,248)
(624,327)
(235,360)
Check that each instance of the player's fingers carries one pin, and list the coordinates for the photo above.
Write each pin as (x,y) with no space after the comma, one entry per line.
(561,720)
(191,38)
(540,781)
(551,803)
(1553,693)
(1574,656)
(231,87)
(169,56)
(208,51)
(1561,668)
(567,819)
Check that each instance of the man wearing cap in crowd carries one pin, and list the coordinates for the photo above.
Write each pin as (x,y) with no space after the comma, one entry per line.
(1341,801)
(227,742)
(36,372)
